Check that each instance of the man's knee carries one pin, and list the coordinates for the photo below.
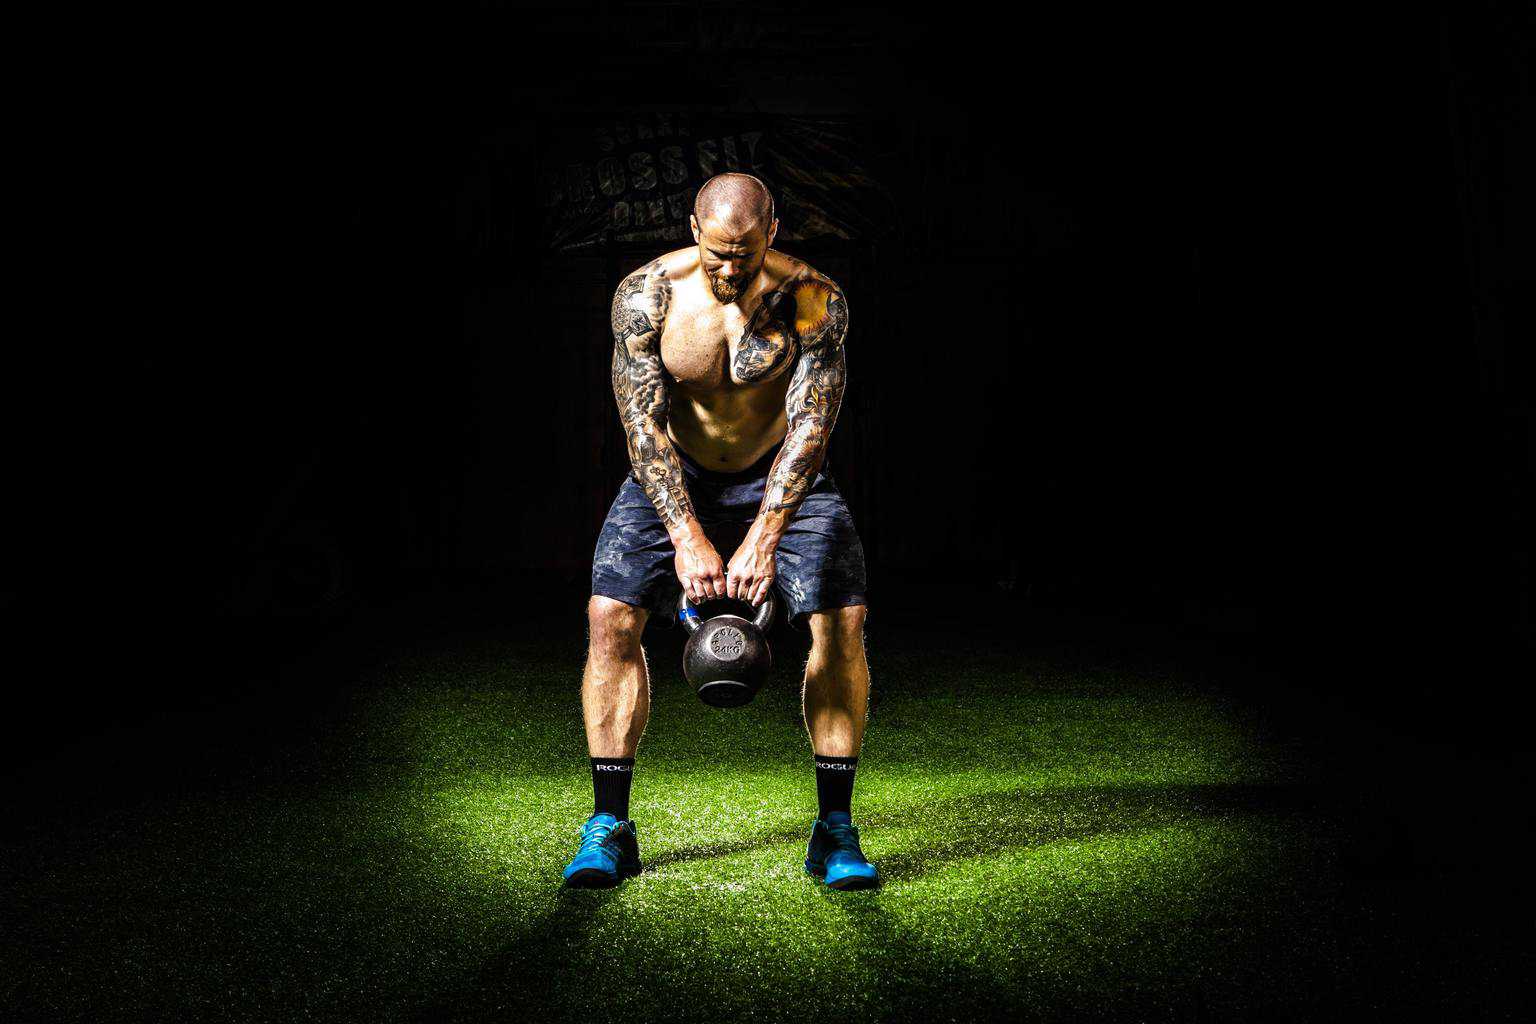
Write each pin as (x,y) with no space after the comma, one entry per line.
(613,626)
(838,632)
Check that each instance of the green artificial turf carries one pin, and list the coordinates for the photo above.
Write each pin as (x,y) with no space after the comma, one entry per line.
(1058,841)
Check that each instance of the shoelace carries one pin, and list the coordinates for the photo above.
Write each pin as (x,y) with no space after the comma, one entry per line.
(846,837)
(593,838)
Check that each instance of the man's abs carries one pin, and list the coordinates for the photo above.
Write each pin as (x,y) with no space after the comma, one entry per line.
(725,433)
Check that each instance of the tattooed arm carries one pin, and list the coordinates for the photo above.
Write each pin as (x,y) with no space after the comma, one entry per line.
(640,388)
(811,404)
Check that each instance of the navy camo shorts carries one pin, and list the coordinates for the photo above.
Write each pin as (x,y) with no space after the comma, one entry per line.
(819,563)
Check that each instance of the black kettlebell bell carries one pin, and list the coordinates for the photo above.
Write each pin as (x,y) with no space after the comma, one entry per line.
(727,657)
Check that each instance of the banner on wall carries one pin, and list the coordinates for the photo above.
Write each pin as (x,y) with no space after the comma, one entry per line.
(633,179)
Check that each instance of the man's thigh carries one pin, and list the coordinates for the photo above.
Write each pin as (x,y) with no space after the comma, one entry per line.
(634,558)
(820,561)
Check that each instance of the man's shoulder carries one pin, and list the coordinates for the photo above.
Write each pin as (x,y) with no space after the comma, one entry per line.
(820,306)
(795,274)
(670,267)
(643,297)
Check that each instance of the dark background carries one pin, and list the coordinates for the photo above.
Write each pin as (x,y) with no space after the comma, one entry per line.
(1216,325)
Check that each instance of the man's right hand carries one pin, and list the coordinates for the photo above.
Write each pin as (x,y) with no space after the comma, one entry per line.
(699,568)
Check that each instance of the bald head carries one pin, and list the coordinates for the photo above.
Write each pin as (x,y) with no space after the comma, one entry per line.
(733,223)
(738,202)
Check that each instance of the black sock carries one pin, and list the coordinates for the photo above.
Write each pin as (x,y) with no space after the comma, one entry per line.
(834,784)
(610,785)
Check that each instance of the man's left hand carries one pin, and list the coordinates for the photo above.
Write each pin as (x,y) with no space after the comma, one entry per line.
(751,569)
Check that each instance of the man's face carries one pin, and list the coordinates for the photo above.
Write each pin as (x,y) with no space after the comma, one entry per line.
(731,258)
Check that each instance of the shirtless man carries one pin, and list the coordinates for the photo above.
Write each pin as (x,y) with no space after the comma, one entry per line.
(728,369)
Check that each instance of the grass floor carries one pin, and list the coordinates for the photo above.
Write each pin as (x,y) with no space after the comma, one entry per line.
(1059,839)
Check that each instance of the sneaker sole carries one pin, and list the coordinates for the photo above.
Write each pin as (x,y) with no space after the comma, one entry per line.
(847,883)
(592,878)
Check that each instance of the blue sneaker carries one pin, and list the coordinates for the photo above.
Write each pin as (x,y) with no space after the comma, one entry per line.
(610,853)
(834,854)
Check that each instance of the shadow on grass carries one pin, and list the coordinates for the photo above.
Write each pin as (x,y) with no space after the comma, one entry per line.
(746,844)
(968,826)
(550,972)
(919,982)
(916,981)
(534,972)
(987,823)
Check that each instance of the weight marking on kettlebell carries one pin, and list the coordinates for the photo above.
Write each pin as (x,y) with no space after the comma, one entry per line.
(727,643)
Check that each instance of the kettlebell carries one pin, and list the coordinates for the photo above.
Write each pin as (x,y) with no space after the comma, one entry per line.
(727,657)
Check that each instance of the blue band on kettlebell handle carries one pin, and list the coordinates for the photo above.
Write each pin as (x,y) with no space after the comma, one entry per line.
(686,613)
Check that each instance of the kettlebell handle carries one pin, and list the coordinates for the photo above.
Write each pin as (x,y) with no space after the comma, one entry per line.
(688,612)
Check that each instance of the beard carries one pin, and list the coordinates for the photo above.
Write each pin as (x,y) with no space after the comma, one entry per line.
(726,291)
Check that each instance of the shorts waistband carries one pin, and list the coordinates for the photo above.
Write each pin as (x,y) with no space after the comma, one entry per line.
(755,471)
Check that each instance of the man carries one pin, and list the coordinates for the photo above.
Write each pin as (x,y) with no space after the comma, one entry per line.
(728,369)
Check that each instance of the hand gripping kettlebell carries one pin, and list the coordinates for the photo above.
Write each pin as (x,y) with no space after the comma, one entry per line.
(727,657)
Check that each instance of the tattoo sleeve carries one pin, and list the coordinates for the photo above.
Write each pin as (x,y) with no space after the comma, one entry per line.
(814,397)
(640,388)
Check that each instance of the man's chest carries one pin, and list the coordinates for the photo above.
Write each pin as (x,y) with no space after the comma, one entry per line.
(710,347)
